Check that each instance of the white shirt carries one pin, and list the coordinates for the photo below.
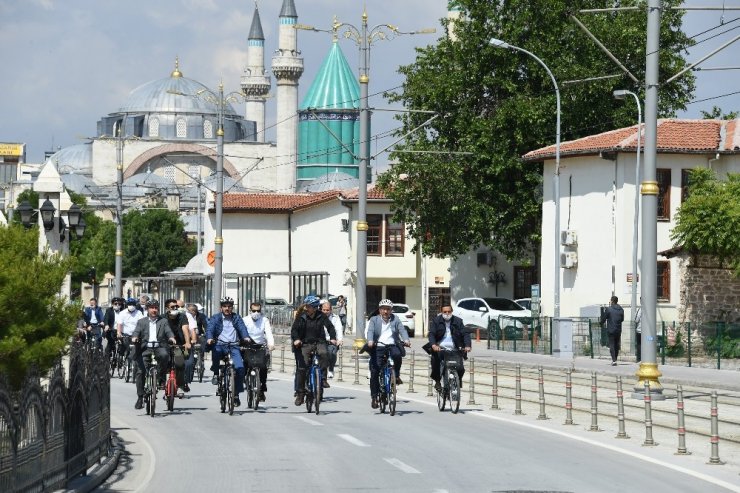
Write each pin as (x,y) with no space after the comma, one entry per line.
(447,341)
(153,330)
(127,321)
(386,333)
(337,323)
(260,331)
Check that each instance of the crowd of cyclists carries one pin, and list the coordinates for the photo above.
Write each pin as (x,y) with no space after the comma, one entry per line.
(174,337)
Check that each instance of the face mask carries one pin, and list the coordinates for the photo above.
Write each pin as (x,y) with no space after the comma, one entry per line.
(173,313)
(117,307)
(447,317)
(181,310)
(256,315)
(131,308)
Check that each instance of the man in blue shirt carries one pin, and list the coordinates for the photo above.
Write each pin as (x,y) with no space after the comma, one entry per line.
(227,328)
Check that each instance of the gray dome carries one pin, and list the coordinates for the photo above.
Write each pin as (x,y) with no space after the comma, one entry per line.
(79,184)
(146,183)
(73,159)
(331,181)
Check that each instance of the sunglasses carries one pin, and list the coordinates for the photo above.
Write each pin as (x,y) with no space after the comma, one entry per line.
(256,311)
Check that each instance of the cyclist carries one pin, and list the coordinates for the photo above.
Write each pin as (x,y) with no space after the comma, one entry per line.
(224,328)
(385,328)
(197,323)
(127,323)
(260,332)
(94,321)
(338,328)
(110,324)
(307,334)
(151,328)
(447,331)
(179,325)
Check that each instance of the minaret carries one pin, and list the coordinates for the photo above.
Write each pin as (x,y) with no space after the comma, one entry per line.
(255,82)
(454,12)
(287,67)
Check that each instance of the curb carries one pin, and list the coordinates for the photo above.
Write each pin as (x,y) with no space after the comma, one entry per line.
(101,472)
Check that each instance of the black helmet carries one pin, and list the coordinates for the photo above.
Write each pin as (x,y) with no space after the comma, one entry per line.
(151,303)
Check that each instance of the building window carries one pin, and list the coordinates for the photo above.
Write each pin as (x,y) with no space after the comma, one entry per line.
(685,178)
(374,231)
(663,177)
(397,294)
(207,129)
(664,281)
(181,128)
(524,277)
(169,172)
(154,127)
(393,238)
(374,295)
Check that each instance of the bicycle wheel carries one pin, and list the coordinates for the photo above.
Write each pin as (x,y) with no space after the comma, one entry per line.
(256,386)
(232,389)
(453,385)
(201,367)
(152,390)
(441,397)
(120,364)
(317,392)
(112,364)
(250,388)
(171,392)
(127,373)
(223,386)
(383,397)
(392,396)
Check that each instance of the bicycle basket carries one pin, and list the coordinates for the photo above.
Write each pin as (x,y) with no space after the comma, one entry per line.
(453,359)
(256,357)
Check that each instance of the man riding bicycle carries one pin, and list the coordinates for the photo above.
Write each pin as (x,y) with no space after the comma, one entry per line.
(260,332)
(307,335)
(387,330)
(447,331)
(127,323)
(151,329)
(224,330)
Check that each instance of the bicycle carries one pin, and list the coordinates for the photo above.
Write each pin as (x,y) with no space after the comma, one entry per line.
(452,360)
(118,359)
(314,389)
(255,359)
(199,363)
(170,386)
(151,379)
(387,377)
(227,379)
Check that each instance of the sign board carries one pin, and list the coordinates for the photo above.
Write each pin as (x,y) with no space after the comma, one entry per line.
(629,277)
(11,149)
(535,303)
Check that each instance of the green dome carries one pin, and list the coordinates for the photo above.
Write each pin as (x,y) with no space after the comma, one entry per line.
(335,85)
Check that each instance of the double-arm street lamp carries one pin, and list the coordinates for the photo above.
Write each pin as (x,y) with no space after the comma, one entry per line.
(47,211)
(364,37)
(556,178)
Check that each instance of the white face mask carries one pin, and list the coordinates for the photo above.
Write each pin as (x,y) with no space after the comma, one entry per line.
(256,315)
(174,313)
(447,317)
(131,308)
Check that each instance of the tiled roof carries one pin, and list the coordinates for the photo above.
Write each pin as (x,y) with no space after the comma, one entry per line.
(276,202)
(372,194)
(674,136)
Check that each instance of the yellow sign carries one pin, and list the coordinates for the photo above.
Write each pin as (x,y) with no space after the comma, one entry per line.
(11,149)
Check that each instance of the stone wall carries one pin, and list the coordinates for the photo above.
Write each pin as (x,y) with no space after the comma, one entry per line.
(709,290)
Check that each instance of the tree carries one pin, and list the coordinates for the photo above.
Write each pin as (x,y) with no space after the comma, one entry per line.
(36,322)
(96,248)
(154,241)
(497,104)
(708,221)
(717,114)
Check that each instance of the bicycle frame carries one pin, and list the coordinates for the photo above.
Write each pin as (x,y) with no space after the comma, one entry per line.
(387,384)
(314,392)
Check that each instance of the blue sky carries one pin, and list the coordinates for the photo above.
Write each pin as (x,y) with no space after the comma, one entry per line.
(67,63)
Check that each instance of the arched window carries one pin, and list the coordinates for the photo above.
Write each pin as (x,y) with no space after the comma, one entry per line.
(154,127)
(181,128)
(207,129)
(169,172)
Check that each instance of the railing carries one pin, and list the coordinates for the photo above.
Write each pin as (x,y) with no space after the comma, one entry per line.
(56,427)
(518,334)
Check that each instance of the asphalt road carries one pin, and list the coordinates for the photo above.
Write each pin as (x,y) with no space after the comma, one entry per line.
(351,447)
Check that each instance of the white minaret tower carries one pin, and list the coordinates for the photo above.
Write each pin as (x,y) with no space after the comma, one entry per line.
(287,67)
(255,82)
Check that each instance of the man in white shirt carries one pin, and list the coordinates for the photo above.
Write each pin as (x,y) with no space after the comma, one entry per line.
(337,323)
(260,332)
(127,323)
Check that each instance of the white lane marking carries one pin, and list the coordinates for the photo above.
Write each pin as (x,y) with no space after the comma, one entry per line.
(150,462)
(309,421)
(401,465)
(352,440)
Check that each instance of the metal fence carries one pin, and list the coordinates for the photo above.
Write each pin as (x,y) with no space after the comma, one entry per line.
(55,428)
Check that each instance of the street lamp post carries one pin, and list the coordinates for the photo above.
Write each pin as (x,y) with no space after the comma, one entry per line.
(622,94)
(556,178)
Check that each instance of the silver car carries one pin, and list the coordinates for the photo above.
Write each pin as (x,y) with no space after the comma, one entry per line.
(495,312)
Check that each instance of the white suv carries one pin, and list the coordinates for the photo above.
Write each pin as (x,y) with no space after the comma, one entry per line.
(404,312)
(478,312)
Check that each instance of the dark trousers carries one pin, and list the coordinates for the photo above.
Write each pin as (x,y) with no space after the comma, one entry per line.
(219,351)
(438,365)
(306,350)
(331,351)
(615,341)
(189,364)
(377,357)
(110,342)
(638,346)
(163,364)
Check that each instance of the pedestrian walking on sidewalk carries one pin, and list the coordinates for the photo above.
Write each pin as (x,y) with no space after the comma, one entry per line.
(613,316)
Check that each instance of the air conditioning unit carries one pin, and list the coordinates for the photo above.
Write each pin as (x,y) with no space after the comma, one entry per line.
(568,238)
(484,258)
(569,260)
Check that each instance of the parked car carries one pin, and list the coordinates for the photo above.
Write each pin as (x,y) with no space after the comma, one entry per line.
(480,312)
(275,302)
(524,303)
(406,315)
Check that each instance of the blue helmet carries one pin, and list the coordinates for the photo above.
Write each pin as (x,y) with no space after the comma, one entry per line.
(312,300)
(131,301)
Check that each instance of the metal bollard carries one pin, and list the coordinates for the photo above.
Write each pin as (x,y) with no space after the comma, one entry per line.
(518,392)
(357,367)
(620,410)
(594,404)
(648,418)
(541,382)
(340,360)
(568,397)
(411,372)
(471,397)
(714,437)
(429,384)
(494,385)
(282,358)
(681,423)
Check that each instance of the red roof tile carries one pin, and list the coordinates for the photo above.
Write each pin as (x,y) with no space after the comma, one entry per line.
(372,194)
(276,202)
(674,136)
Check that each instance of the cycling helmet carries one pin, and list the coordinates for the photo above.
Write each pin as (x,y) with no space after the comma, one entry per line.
(131,301)
(151,303)
(385,302)
(312,300)
(227,300)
